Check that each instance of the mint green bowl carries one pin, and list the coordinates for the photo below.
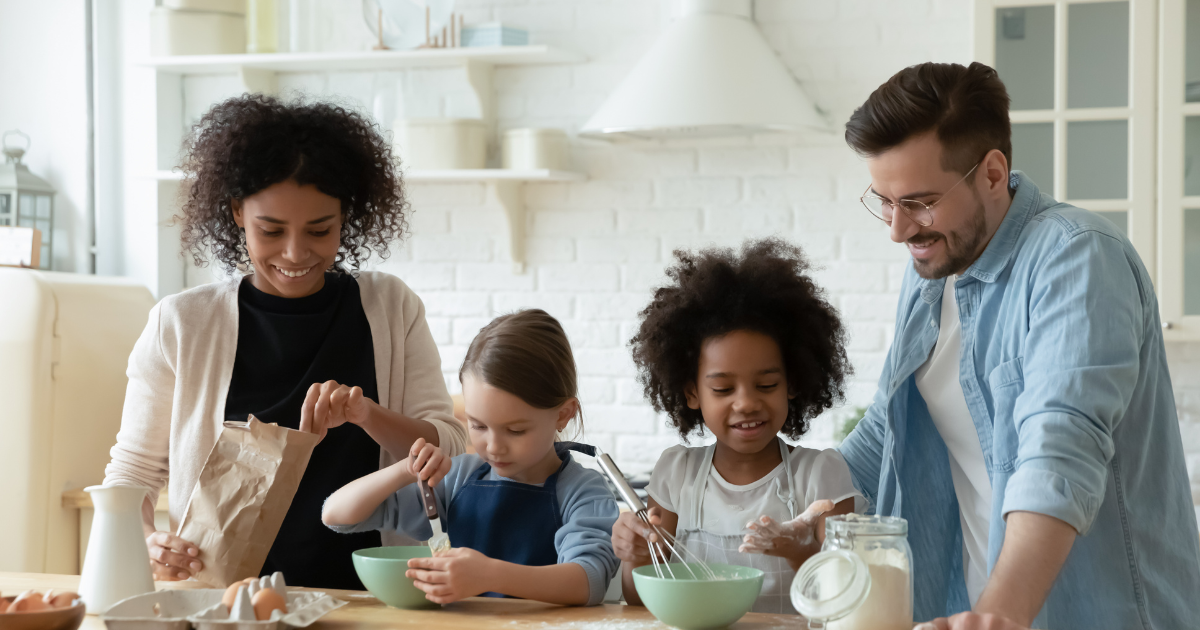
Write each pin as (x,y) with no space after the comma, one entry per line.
(381,570)
(692,604)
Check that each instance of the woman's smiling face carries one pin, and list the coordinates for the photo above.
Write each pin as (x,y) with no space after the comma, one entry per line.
(293,233)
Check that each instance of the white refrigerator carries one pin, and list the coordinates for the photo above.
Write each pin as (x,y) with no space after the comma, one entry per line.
(65,341)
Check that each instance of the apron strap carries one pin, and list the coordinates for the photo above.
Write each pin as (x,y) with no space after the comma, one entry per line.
(787,472)
(700,483)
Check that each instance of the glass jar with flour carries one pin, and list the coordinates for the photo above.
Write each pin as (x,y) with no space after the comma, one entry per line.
(861,579)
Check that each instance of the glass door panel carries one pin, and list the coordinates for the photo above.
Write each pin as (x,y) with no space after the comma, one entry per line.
(1119,218)
(1033,153)
(1191,59)
(1025,55)
(1191,156)
(1098,159)
(1098,55)
(1191,262)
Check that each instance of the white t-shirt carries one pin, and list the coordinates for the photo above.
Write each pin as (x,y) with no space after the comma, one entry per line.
(728,508)
(939,384)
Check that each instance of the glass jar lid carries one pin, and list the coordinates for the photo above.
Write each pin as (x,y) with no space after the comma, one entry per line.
(831,585)
(861,525)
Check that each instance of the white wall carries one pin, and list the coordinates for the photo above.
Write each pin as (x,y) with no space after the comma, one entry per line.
(596,248)
(43,72)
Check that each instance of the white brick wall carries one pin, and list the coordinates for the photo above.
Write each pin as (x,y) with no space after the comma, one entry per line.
(596,248)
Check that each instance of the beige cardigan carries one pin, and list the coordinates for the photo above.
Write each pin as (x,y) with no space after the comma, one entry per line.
(180,368)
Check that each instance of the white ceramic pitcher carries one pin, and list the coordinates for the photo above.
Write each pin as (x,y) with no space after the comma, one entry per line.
(117,564)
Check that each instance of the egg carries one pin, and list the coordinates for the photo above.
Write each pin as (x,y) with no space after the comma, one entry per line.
(64,599)
(231,592)
(29,601)
(267,600)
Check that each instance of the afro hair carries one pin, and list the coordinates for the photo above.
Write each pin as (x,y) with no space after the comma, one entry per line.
(766,289)
(250,142)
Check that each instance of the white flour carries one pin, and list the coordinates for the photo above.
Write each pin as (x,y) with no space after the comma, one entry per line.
(889,604)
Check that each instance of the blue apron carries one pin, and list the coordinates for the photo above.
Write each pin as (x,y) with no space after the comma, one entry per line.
(508,520)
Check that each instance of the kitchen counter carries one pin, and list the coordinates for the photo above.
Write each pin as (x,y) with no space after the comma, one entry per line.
(367,613)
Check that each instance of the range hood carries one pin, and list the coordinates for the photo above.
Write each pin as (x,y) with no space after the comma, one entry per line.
(711,74)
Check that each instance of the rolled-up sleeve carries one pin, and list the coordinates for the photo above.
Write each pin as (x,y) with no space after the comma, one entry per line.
(1080,369)
(586,536)
(140,456)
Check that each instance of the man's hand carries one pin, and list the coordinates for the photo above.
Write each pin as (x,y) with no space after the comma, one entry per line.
(454,575)
(970,621)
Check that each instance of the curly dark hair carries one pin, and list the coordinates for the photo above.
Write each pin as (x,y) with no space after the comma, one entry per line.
(250,142)
(716,291)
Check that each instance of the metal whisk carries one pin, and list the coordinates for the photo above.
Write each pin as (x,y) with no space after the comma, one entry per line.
(658,555)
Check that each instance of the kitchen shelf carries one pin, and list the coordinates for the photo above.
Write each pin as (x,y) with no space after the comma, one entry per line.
(452,175)
(363,60)
(504,188)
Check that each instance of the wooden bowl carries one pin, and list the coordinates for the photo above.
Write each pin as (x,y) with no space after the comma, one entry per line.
(57,619)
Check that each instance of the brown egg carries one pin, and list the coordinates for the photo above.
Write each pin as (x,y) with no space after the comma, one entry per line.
(232,592)
(29,601)
(60,600)
(267,600)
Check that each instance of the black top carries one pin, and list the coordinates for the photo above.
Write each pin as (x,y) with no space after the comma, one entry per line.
(284,346)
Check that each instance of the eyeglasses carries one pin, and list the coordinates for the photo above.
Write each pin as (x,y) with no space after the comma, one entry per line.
(920,213)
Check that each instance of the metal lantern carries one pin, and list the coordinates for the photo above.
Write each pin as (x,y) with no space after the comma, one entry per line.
(26,200)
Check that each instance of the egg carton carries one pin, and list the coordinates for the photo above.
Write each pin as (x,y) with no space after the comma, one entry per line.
(202,610)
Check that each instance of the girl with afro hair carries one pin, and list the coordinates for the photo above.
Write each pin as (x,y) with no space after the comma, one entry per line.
(742,346)
(290,198)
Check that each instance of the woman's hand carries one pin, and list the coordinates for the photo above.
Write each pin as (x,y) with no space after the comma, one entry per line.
(631,537)
(454,575)
(428,462)
(171,557)
(329,405)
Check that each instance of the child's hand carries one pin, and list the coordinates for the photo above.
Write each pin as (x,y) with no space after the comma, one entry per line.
(789,539)
(428,462)
(454,575)
(630,535)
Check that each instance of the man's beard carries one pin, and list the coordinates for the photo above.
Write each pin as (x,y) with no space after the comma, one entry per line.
(961,247)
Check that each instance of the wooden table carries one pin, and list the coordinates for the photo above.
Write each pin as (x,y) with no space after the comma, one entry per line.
(478,613)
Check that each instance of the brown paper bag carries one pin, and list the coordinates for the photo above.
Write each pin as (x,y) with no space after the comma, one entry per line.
(242,495)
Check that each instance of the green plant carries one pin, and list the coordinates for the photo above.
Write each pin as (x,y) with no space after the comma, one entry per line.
(844,427)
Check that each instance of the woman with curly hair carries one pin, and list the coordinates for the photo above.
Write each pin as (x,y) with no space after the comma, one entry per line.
(745,347)
(291,198)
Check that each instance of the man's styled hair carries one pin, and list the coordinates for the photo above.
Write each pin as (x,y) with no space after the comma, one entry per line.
(966,106)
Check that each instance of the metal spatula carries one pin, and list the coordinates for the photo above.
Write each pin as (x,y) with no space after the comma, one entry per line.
(440,541)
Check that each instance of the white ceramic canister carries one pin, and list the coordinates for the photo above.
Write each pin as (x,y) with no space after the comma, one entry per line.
(117,564)
(441,143)
(861,579)
(530,148)
(174,32)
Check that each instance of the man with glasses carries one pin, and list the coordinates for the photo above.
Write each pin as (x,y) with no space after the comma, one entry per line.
(1024,422)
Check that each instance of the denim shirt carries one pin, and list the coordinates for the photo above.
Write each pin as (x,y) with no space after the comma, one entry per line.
(1065,376)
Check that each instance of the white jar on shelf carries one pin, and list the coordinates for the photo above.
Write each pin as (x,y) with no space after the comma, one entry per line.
(531,149)
(441,143)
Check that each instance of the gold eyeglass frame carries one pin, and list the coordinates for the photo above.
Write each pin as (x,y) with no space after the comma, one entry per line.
(927,207)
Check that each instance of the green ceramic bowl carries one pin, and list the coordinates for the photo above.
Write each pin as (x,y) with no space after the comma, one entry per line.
(693,604)
(381,570)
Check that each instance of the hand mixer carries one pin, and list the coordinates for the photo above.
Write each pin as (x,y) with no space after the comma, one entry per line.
(661,567)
